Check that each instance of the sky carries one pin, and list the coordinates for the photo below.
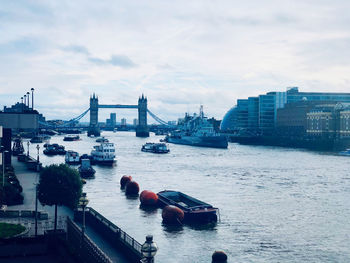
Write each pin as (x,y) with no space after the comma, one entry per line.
(180,54)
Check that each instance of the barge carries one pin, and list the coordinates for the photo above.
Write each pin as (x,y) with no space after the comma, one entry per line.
(195,211)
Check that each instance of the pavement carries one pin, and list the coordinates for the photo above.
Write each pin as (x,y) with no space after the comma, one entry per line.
(28,180)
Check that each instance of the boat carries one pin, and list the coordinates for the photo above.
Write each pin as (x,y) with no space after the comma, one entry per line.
(37,139)
(86,156)
(197,130)
(195,211)
(345,153)
(104,153)
(72,157)
(102,139)
(71,137)
(17,147)
(54,149)
(155,147)
(85,169)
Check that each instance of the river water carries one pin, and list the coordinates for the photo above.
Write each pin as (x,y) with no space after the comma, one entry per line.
(276,204)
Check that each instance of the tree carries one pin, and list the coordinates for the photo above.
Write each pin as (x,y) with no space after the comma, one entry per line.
(59,185)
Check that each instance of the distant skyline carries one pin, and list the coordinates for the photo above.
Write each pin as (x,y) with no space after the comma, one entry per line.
(180,54)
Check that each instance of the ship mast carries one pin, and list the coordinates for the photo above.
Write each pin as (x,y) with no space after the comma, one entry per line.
(201,113)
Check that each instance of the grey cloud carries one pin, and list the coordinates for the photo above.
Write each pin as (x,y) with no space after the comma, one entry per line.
(115,60)
(25,45)
(76,49)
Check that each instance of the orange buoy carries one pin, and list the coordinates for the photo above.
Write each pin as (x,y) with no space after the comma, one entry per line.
(148,198)
(124,180)
(219,257)
(172,215)
(132,188)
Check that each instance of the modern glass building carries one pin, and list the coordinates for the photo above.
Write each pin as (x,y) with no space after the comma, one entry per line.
(242,114)
(253,113)
(259,114)
(229,122)
(293,95)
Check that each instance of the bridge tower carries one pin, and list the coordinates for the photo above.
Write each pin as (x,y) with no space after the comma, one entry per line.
(142,128)
(93,128)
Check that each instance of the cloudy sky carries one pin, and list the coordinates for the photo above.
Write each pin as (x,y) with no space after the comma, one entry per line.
(179,53)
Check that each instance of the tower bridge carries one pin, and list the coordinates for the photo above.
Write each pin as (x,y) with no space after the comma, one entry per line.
(94,129)
(141,129)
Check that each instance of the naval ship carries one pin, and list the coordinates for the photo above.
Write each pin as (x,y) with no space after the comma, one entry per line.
(196,130)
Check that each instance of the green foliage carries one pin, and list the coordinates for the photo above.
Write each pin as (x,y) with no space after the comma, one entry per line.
(59,185)
(9,230)
(11,193)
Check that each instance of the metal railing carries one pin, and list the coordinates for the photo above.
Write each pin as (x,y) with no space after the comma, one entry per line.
(88,249)
(123,236)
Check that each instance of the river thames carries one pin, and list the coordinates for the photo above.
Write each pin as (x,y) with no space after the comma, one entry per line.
(276,204)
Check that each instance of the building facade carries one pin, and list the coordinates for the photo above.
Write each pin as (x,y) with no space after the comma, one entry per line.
(344,125)
(272,112)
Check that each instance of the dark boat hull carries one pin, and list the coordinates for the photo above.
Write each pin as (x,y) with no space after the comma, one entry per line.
(213,142)
(105,163)
(195,212)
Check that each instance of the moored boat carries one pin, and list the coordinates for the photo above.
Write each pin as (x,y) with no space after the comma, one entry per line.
(54,149)
(72,157)
(104,153)
(71,137)
(85,169)
(37,139)
(195,210)
(102,139)
(17,147)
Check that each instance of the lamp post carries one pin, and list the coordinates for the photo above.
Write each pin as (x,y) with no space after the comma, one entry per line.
(83,201)
(25,100)
(28,98)
(37,147)
(149,250)
(32,89)
(36,209)
(3,166)
(28,148)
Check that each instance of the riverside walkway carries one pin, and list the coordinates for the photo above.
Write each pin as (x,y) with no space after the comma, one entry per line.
(28,180)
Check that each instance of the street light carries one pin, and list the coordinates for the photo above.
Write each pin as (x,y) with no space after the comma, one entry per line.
(25,100)
(36,209)
(83,201)
(149,250)
(28,148)
(32,89)
(28,98)
(3,166)
(38,147)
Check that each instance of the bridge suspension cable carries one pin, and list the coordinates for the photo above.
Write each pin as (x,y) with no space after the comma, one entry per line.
(159,119)
(66,123)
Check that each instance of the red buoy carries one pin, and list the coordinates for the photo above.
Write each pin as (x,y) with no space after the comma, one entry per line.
(124,180)
(132,188)
(172,215)
(148,198)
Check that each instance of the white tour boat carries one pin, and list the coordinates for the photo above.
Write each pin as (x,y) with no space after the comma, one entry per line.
(72,157)
(104,153)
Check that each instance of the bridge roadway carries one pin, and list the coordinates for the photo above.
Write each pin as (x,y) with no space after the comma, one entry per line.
(117,106)
(28,180)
